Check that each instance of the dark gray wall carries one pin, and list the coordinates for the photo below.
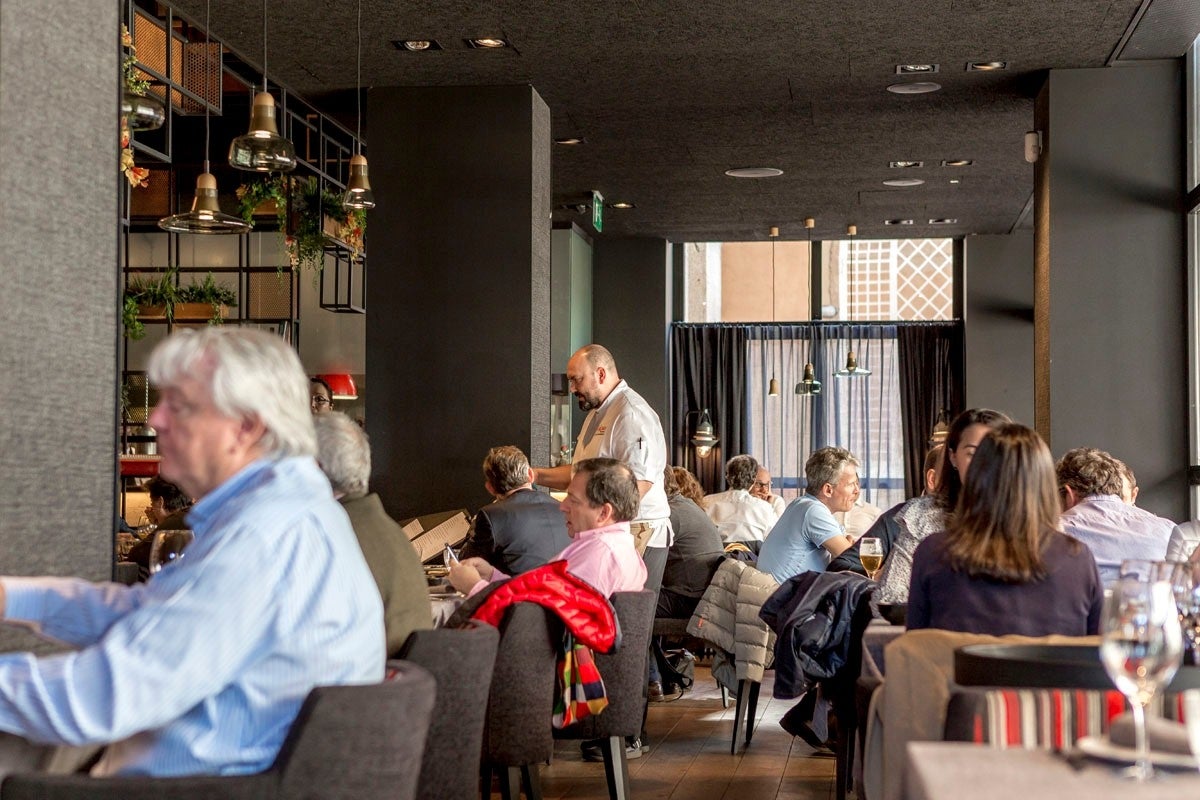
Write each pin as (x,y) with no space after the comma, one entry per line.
(1118,367)
(58,260)
(458,329)
(631,294)
(999,323)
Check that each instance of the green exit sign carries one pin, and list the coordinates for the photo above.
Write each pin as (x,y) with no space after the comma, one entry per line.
(597,211)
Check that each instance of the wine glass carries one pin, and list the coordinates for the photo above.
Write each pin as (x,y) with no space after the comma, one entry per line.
(167,548)
(870,552)
(1141,647)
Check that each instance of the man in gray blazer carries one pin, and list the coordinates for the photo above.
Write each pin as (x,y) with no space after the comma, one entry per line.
(522,528)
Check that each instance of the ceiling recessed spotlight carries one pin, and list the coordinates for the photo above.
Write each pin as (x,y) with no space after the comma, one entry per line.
(753,172)
(571,140)
(986,66)
(915,69)
(416,45)
(487,43)
(956,181)
(906,164)
(903,182)
(957,162)
(622,204)
(944,221)
(897,222)
(919,87)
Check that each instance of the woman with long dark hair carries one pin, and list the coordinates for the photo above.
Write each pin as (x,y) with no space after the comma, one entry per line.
(1002,565)
(928,514)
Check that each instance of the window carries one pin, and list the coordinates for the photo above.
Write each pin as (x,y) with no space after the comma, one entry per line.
(888,279)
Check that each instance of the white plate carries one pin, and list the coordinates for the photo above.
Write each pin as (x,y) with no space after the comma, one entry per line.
(1102,748)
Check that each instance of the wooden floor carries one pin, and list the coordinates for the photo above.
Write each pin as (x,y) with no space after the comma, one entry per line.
(689,756)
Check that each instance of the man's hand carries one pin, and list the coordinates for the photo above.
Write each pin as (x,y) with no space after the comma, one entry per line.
(464,575)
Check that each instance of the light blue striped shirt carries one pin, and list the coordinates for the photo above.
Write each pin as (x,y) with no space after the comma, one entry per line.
(203,669)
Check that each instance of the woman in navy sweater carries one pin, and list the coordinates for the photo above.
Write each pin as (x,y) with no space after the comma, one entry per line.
(1002,565)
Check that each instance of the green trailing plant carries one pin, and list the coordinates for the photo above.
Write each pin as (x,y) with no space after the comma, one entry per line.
(145,292)
(210,293)
(134,329)
(310,204)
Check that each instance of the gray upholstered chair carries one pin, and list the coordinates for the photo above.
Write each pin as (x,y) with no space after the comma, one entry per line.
(344,745)
(517,736)
(624,674)
(461,662)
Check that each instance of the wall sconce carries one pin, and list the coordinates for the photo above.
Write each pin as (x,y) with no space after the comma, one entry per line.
(704,440)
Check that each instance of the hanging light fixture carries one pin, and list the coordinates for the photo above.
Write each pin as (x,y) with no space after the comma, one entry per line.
(852,369)
(773,385)
(358,189)
(941,429)
(341,385)
(206,215)
(704,440)
(262,149)
(809,385)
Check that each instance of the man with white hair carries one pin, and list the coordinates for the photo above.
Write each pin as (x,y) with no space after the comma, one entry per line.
(203,669)
(344,453)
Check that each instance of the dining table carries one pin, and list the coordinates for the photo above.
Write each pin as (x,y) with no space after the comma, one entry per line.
(956,770)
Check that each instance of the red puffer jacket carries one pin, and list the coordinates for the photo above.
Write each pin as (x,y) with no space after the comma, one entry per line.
(586,613)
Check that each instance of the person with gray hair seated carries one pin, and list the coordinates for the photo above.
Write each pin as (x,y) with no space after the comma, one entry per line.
(344,455)
(522,528)
(203,669)
(739,515)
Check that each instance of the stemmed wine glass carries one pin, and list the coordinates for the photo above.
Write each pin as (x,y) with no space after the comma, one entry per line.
(167,548)
(870,552)
(1141,647)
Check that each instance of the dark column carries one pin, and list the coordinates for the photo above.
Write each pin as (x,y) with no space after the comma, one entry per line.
(58,234)
(1112,231)
(631,292)
(458,294)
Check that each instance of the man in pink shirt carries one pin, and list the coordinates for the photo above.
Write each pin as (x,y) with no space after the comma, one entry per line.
(602,498)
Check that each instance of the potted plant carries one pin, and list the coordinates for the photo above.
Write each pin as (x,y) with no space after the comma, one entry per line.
(317,217)
(148,298)
(204,301)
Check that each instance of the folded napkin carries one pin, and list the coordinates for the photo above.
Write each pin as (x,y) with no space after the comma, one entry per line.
(1163,735)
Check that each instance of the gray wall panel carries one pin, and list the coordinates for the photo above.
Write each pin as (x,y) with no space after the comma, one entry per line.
(58,257)
(1117,277)
(999,323)
(458,329)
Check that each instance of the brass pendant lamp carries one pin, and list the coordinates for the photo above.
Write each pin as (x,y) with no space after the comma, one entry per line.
(205,216)
(262,149)
(852,369)
(358,188)
(809,385)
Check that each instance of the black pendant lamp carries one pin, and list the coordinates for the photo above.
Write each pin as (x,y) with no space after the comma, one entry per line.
(809,385)
(773,385)
(852,369)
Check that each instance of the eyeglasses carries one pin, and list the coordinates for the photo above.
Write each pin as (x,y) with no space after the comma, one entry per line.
(320,400)
(763,484)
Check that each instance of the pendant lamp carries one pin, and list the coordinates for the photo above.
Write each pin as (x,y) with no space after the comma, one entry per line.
(262,149)
(809,385)
(704,440)
(852,369)
(341,385)
(773,385)
(206,215)
(941,429)
(358,188)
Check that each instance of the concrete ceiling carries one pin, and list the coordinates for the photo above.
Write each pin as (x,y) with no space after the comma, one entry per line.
(671,94)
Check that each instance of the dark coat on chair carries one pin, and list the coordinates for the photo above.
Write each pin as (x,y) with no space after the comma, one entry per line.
(520,532)
(813,616)
(396,567)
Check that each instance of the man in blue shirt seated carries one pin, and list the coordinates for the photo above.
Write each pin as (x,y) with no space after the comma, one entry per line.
(807,535)
(203,669)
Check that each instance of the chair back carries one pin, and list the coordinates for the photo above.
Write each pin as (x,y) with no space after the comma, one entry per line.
(521,700)
(623,671)
(359,742)
(461,661)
